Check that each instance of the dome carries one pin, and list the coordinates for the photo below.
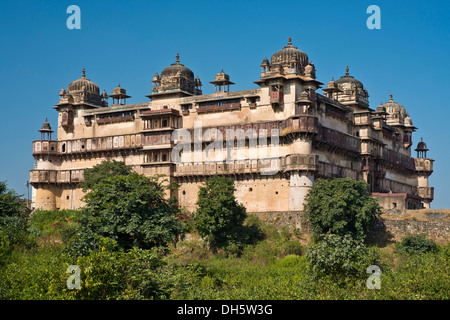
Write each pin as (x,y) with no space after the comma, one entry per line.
(421,146)
(222,76)
(393,107)
(46,127)
(347,78)
(177,69)
(290,57)
(82,84)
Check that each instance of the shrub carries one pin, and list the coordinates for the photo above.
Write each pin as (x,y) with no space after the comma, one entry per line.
(340,256)
(129,209)
(340,206)
(416,244)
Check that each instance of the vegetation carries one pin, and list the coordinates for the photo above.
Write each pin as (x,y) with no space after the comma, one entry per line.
(220,218)
(104,170)
(341,207)
(129,209)
(280,264)
(416,244)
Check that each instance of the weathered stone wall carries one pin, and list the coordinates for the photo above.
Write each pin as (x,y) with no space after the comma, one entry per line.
(384,228)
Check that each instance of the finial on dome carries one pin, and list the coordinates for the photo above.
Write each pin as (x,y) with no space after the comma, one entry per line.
(178,58)
(346,71)
(390,98)
(83,73)
(289,41)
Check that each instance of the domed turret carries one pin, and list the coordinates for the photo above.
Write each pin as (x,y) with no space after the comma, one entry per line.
(421,149)
(353,91)
(396,113)
(222,82)
(290,57)
(81,91)
(83,85)
(175,77)
(46,131)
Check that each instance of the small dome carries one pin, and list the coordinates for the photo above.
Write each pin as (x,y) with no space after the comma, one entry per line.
(119,90)
(331,84)
(347,78)
(83,84)
(222,76)
(290,57)
(177,68)
(393,107)
(381,109)
(421,146)
(46,127)
(265,62)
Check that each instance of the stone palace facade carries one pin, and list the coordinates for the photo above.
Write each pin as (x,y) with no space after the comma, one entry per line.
(329,134)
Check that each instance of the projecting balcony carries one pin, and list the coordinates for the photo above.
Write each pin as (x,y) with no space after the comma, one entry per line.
(276,97)
(56,176)
(423,164)
(45,147)
(426,193)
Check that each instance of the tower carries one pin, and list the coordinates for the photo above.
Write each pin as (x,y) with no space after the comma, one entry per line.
(424,168)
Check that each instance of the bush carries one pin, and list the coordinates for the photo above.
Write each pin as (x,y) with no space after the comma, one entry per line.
(338,256)
(129,209)
(416,244)
(340,206)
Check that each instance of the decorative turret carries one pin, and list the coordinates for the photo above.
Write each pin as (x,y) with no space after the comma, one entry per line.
(46,131)
(421,149)
(119,94)
(221,82)
(332,90)
(176,79)
(353,92)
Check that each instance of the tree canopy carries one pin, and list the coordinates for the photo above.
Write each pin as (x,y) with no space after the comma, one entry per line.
(104,170)
(219,218)
(341,206)
(129,209)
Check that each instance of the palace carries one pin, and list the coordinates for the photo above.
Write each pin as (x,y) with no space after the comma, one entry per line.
(329,134)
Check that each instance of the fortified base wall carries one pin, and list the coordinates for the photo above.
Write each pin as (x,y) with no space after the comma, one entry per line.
(391,226)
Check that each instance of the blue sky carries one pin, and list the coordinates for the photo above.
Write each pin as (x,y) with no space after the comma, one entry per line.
(128,41)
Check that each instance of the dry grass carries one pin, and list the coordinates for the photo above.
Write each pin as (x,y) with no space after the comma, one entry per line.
(418,215)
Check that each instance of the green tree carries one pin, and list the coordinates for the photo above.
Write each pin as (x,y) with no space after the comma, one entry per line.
(13,217)
(219,218)
(104,170)
(341,206)
(129,209)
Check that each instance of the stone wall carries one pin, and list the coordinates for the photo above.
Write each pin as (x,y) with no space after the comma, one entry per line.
(384,228)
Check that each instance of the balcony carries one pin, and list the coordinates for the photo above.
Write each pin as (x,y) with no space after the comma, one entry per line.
(129,141)
(217,108)
(45,147)
(426,193)
(276,97)
(56,176)
(423,164)
(289,163)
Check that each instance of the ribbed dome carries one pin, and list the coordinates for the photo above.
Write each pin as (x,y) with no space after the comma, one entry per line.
(393,107)
(290,57)
(177,69)
(347,78)
(89,86)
